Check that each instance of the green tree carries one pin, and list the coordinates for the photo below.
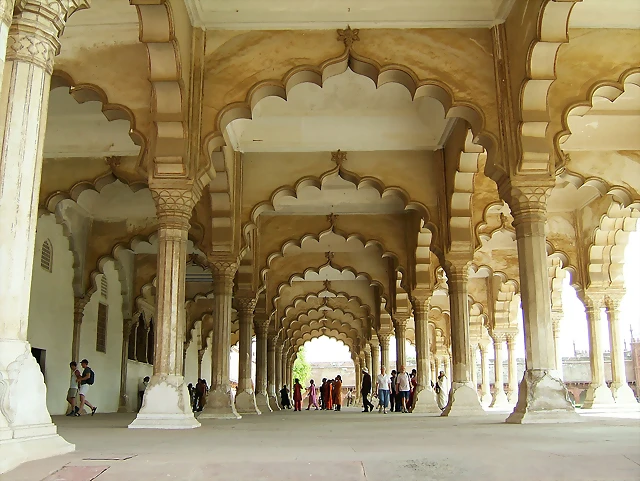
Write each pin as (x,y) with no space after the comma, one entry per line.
(301,367)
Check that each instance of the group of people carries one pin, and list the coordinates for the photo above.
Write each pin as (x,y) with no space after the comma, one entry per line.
(198,395)
(79,385)
(327,397)
(396,392)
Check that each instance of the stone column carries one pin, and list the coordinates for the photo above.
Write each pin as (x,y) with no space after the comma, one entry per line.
(432,366)
(126,332)
(220,403)
(367,358)
(621,391)
(556,318)
(261,327)
(358,369)
(424,400)
(26,430)
(278,369)
(400,327)
(271,370)
(512,362)
(384,351)
(200,356)
(485,389)
(166,403)
(474,365)
(499,398)
(375,358)
(598,394)
(541,395)
(463,398)
(79,303)
(245,396)
(446,365)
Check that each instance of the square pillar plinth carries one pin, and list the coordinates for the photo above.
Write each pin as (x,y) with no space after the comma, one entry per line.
(542,398)
(166,405)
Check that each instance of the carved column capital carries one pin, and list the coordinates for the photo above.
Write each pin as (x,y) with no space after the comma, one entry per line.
(79,303)
(527,199)
(498,337)
(385,338)
(612,299)
(246,307)
(127,326)
(6,12)
(375,344)
(420,306)
(511,341)
(457,269)
(174,206)
(201,354)
(33,36)
(261,327)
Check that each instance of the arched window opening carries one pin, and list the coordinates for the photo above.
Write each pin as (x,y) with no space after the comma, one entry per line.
(46,257)
(141,342)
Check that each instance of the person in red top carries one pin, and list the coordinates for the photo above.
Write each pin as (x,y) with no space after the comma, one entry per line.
(297,395)
(330,395)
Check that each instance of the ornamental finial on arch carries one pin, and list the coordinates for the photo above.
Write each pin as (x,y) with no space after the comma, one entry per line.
(348,36)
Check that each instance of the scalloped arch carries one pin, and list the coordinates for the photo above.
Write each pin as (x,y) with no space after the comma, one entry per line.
(553,31)
(606,89)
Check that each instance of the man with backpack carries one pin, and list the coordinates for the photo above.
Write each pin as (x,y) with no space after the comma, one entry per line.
(87,379)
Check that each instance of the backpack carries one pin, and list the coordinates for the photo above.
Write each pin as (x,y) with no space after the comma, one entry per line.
(92,378)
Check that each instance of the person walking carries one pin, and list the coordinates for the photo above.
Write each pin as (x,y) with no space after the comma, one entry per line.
(403,385)
(413,383)
(383,384)
(313,395)
(392,392)
(365,390)
(72,393)
(442,390)
(337,393)
(284,398)
(297,395)
(86,381)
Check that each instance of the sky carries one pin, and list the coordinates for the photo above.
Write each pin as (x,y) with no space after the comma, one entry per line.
(573,325)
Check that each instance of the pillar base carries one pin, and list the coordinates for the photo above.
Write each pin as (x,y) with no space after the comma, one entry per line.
(499,400)
(219,406)
(512,397)
(485,399)
(623,395)
(542,398)
(30,448)
(273,402)
(246,403)
(166,405)
(425,402)
(262,401)
(598,397)
(463,401)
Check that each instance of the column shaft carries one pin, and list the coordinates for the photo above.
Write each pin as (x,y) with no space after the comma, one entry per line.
(400,327)
(384,351)
(278,371)
(556,318)
(424,400)
(621,391)
(220,404)
(262,394)
(28,43)
(541,395)
(126,332)
(463,398)
(271,371)
(512,363)
(375,359)
(598,394)
(499,398)
(245,396)
(166,403)
(79,303)
(485,389)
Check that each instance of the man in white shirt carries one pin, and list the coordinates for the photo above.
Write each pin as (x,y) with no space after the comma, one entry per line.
(403,386)
(383,385)
(72,393)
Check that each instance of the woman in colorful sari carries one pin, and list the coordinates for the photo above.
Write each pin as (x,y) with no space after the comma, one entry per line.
(313,395)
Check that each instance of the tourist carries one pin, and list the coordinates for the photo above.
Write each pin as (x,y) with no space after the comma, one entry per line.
(413,383)
(297,395)
(142,387)
(365,390)
(329,405)
(284,398)
(442,390)
(403,386)
(337,393)
(313,395)
(323,394)
(199,396)
(73,387)
(392,392)
(383,383)
(86,380)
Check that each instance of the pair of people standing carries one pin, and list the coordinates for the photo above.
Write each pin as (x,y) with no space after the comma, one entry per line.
(80,383)
(397,387)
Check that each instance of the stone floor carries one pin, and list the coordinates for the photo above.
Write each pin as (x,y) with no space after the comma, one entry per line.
(346,446)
